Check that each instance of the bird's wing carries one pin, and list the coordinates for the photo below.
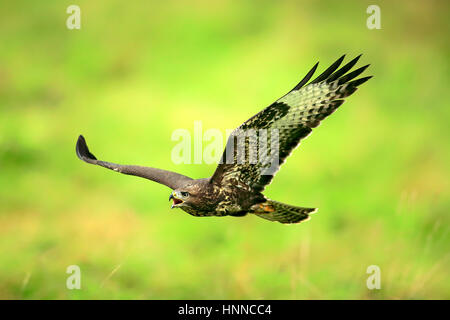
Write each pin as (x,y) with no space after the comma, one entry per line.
(293,116)
(171,179)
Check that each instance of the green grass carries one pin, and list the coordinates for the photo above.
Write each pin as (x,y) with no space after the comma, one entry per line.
(377,168)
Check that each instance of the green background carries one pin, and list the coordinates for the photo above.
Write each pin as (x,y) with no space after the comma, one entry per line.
(377,169)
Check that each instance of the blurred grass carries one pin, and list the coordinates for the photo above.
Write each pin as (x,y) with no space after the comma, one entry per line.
(377,169)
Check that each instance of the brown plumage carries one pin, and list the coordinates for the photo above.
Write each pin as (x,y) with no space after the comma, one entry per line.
(236,186)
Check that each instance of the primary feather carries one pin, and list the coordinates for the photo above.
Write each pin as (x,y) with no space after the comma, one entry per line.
(294,116)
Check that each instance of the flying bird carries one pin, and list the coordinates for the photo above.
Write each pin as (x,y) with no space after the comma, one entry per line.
(235,188)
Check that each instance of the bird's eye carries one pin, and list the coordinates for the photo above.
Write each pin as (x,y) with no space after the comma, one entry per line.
(184,193)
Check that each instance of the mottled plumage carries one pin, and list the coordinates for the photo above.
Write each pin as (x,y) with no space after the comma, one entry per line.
(235,187)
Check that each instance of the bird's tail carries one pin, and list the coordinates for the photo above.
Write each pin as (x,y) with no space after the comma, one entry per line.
(281,212)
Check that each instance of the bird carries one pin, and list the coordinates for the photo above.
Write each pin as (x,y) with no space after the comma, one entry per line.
(236,186)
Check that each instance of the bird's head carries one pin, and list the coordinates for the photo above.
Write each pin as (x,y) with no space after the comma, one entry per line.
(185,196)
(180,198)
(194,195)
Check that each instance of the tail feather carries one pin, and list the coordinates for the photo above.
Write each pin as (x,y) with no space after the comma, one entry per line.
(281,212)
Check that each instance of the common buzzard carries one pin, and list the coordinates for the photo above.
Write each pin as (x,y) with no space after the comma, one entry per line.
(236,186)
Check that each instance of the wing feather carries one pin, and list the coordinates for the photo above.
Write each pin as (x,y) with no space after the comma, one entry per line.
(171,179)
(288,120)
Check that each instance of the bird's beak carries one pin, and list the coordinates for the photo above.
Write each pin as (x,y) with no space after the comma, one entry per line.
(176,201)
(170,198)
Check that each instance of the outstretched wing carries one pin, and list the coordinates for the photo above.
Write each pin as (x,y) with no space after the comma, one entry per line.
(171,179)
(288,120)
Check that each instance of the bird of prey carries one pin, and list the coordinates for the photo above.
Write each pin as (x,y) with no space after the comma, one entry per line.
(235,188)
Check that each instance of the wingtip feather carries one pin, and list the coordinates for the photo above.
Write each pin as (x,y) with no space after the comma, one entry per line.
(324,75)
(307,77)
(83,152)
(360,81)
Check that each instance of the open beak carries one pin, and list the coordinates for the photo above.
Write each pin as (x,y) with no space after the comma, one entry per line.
(176,201)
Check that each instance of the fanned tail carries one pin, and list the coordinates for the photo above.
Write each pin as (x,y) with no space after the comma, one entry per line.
(281,212)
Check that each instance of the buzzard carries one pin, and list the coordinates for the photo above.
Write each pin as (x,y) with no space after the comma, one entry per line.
(235,188)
